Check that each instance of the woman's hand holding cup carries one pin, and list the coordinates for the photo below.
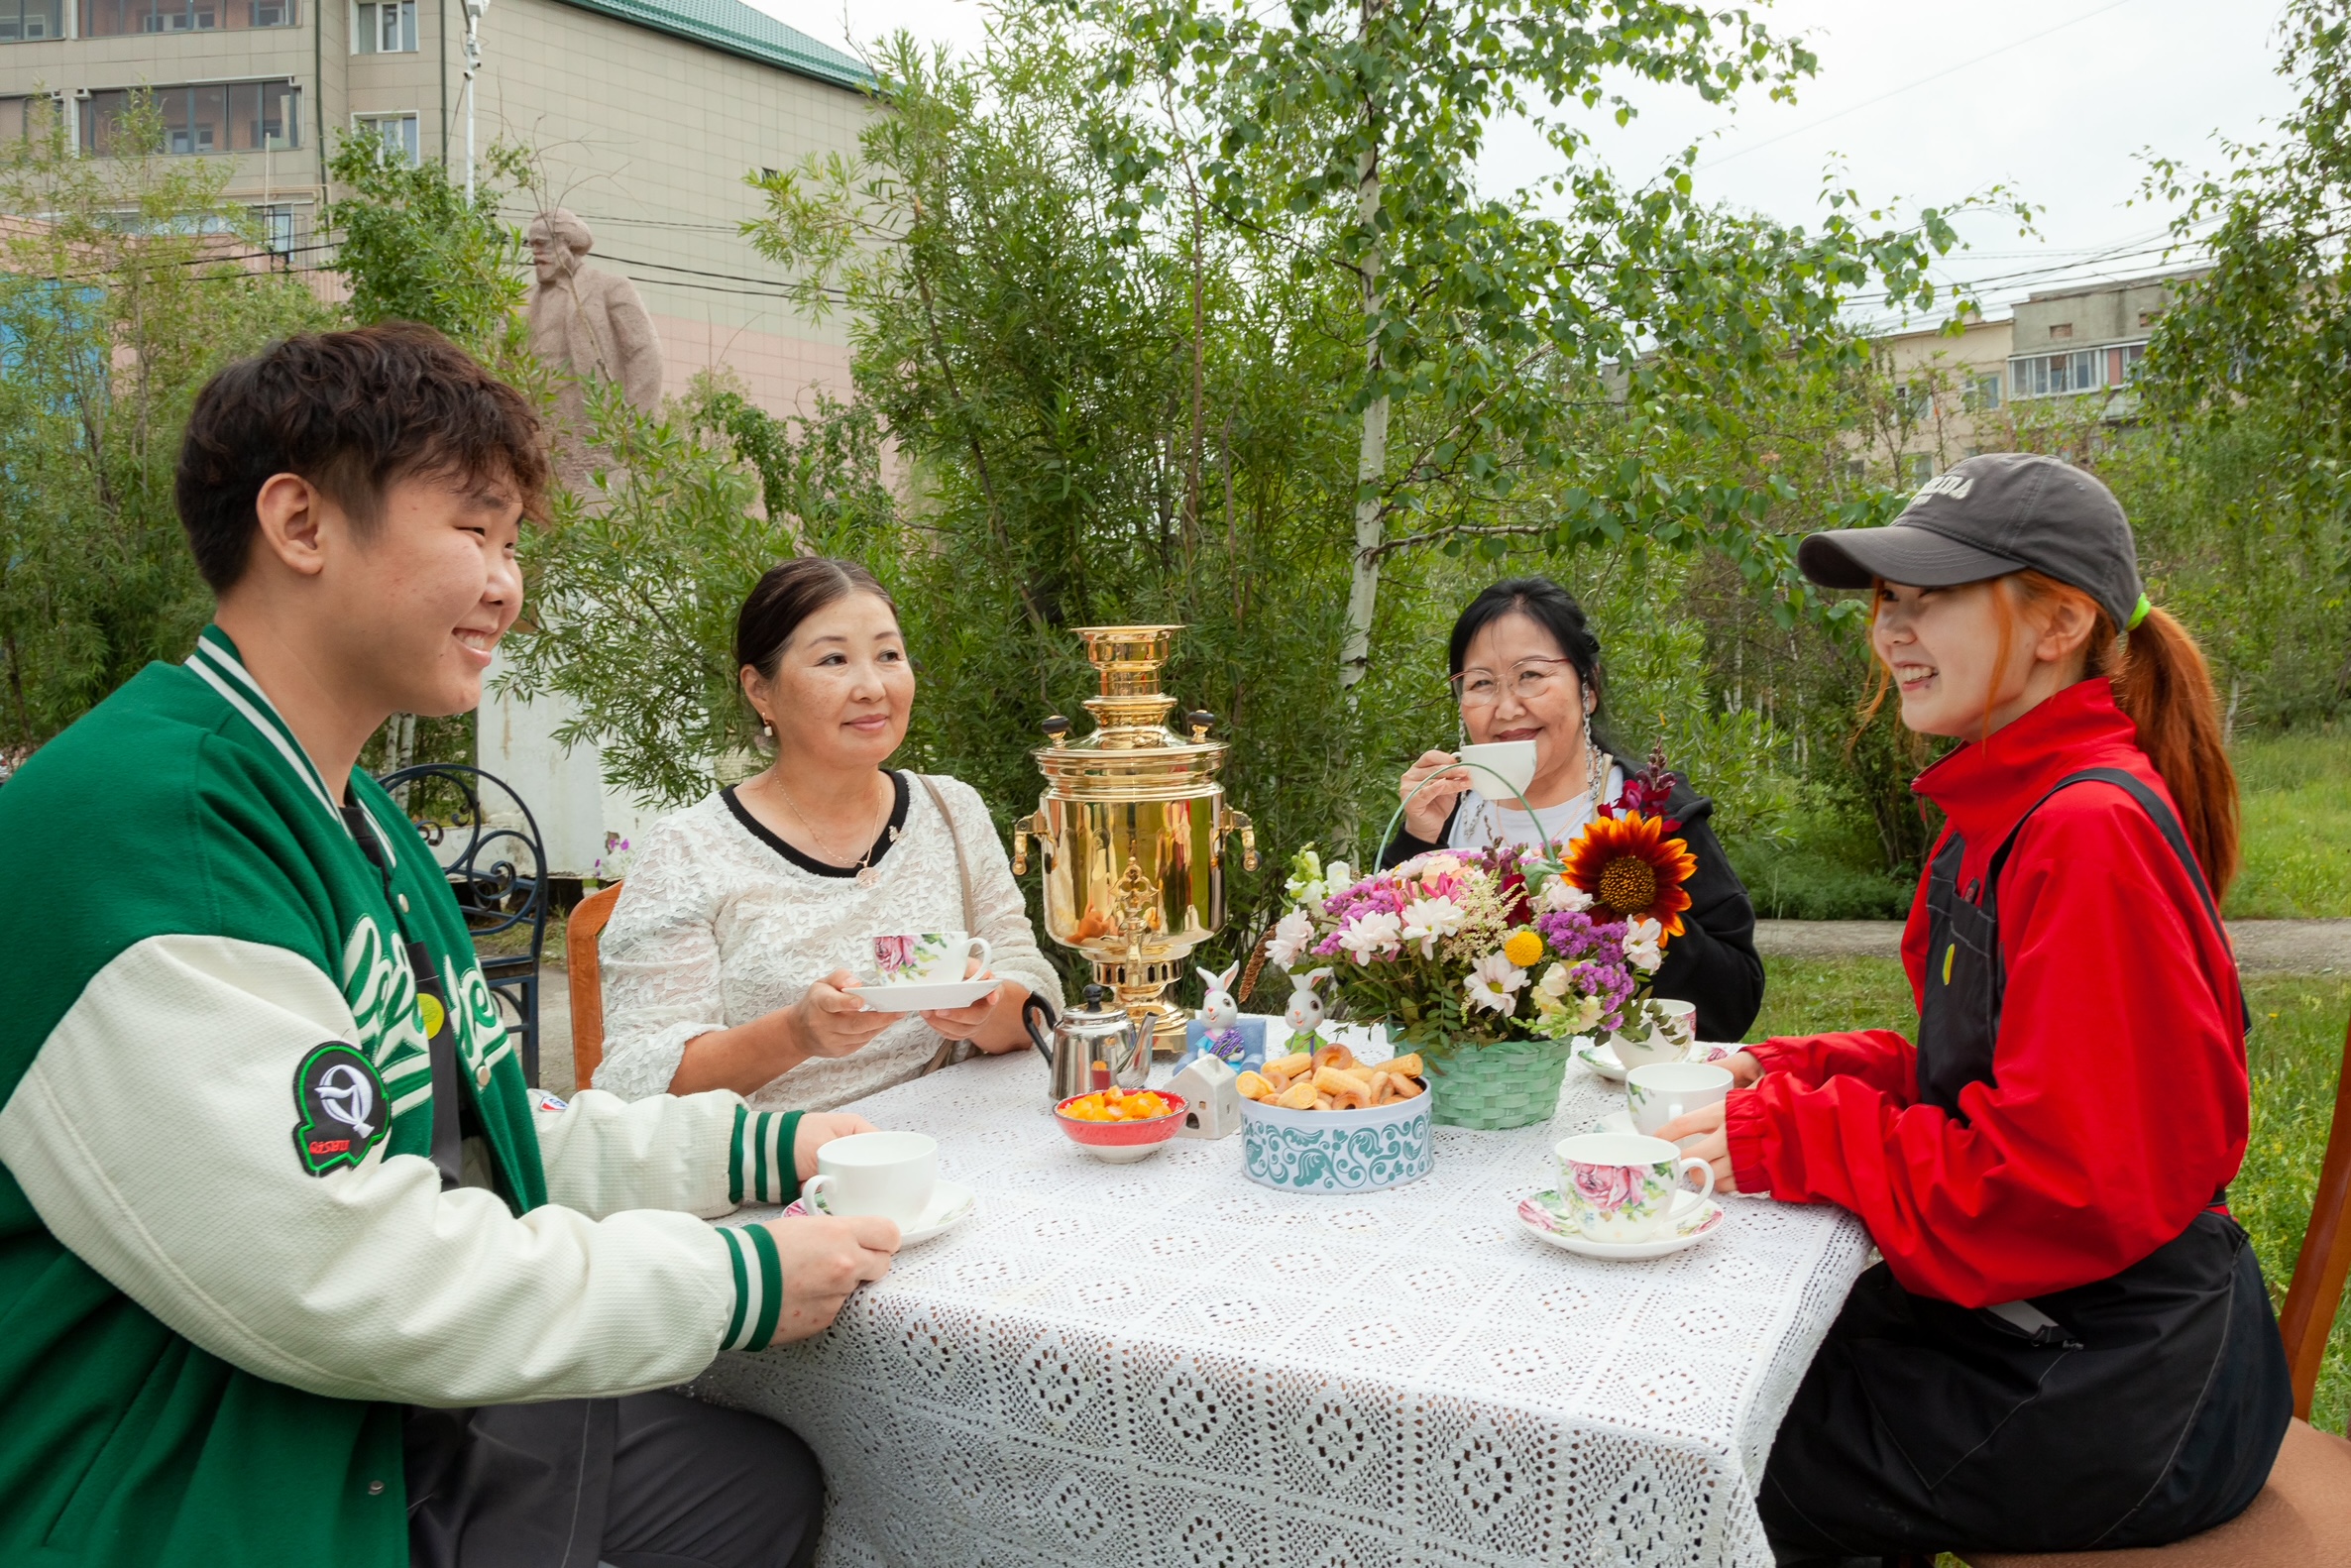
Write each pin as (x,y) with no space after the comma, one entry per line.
(962,1023)
(1702,1136)
(1424,815)
(832,1020)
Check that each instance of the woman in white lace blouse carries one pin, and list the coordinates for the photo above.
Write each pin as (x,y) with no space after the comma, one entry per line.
(731,957)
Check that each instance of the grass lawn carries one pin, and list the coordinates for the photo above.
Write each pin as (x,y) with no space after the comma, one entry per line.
(2296,826)
(2297,1052)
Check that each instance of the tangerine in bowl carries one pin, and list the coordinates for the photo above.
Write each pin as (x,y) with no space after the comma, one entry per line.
(1120,1126)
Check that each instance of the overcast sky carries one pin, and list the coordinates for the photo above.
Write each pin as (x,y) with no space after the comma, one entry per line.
(2055,99)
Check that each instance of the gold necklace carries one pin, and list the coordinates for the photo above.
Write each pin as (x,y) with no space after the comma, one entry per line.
(867,873)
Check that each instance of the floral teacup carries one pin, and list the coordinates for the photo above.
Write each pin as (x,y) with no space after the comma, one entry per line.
(926,958)
(1625,1187)
(1662,1031)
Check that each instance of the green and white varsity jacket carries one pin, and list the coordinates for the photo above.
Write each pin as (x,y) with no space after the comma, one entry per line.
(226,1259)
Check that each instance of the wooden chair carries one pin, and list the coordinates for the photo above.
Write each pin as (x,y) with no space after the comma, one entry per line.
(2302,1517)
(588,920)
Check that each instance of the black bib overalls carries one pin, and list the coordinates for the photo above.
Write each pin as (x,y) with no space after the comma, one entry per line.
(2130,1412)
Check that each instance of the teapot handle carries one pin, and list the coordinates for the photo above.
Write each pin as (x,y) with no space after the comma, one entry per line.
(1031,1006)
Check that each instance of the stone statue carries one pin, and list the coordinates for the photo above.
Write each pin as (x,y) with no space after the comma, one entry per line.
(587,323)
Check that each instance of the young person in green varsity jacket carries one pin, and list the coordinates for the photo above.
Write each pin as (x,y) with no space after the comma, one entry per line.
(294,1269)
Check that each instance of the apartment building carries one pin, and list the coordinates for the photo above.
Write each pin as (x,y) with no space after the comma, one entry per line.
(643,116)
(1955,395)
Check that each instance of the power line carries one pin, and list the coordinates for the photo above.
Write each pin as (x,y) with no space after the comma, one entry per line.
(1869,103)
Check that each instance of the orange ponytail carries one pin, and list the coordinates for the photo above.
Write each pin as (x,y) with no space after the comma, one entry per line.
(2162,682)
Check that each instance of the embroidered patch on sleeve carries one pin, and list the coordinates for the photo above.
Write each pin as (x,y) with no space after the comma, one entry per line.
(340,1099)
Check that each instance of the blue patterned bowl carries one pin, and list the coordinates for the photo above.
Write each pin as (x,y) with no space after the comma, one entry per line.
(1337,1151)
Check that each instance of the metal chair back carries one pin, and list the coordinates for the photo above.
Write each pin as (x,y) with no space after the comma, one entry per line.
(488,843)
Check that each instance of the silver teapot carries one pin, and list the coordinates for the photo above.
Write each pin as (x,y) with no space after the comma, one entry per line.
(1091,1046)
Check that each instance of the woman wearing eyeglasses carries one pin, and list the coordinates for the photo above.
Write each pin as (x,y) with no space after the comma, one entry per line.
(1525,666)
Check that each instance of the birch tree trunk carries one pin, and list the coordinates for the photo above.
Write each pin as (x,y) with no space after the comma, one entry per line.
(1371,454)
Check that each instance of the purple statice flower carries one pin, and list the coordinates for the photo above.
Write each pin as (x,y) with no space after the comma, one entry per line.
(1595,952)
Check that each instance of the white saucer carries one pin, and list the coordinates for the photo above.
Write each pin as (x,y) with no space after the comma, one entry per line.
(1601,1057)
(1598,1056)
(951,1205)
(925,998)
(1703,1220)
(1616,1122)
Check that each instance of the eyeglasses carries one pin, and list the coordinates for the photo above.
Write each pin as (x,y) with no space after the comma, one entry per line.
(1527,680)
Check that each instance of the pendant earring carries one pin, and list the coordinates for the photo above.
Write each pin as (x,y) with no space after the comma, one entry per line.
(768,730)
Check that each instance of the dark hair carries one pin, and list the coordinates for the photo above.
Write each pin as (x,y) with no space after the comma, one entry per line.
(1549,606)
(787,594)
(352,412)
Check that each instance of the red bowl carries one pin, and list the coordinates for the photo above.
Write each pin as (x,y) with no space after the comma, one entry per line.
(1122,1142)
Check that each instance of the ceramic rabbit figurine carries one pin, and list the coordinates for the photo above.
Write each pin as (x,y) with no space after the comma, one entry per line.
(1220,1015)
(1305,1012)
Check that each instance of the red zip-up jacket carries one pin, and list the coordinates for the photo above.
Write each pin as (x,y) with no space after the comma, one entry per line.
(2120,1101)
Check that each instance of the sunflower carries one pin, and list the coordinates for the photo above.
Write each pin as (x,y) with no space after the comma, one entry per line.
(1633,870)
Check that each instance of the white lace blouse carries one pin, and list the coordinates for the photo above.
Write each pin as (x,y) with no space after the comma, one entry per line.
(719,922)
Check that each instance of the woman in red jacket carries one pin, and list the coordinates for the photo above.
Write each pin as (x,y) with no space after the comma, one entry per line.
(2068,1345)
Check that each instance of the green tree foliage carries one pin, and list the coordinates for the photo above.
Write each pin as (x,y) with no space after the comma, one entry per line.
(633,594)
(2250,497)
(1037,374)
(1488,327)
(134,285)
(413,250)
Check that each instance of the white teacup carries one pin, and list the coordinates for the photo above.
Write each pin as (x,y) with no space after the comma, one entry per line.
(885,1174)
(924,957)
(1511,760)
(1625,1187)
(1664,1090)
(1660,1038)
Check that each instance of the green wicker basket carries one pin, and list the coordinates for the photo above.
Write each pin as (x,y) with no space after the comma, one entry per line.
(1511,1083)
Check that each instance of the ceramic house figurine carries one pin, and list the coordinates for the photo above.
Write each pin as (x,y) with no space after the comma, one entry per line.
(1211,1103)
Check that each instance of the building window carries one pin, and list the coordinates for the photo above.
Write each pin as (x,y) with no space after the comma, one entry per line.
(215,117)
(398,132)
(2122,364)
(2056,375)
(109,18)
(386,28)
(1983,393)
(277,227)
(1916,468)
(29,21)
(1913,401)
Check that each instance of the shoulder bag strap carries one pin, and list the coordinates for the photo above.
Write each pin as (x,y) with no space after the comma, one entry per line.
(2158,811)
(950,1050)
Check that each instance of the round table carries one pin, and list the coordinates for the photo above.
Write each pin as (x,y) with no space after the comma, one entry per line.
(1165,1363)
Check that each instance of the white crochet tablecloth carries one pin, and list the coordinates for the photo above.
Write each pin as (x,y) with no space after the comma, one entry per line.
(1166,1364)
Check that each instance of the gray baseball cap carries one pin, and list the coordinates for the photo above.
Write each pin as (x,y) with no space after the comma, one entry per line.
(1987,517)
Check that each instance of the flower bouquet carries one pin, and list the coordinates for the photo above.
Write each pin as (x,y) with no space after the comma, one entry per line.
(1487,961)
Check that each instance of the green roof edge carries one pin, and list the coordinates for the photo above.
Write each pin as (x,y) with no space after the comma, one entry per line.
(790,49)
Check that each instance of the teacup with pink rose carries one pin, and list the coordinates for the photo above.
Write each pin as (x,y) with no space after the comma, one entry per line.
(926,958)
(1626,1186)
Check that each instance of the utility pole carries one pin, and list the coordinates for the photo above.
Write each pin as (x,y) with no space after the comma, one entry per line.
(473,66)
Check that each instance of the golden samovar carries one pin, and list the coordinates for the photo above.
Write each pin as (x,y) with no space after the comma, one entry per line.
(1132,823)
